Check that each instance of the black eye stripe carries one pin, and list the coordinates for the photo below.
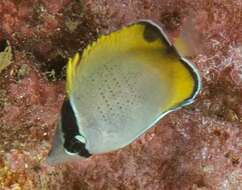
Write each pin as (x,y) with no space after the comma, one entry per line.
(68,121)
(70,130)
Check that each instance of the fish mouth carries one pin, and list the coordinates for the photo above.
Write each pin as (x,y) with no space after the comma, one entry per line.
(57,154)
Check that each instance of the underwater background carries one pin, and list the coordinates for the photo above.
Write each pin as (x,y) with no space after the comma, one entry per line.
(198,147)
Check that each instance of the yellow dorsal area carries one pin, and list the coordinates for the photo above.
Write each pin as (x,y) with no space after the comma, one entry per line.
(149,45)
(71,70)
(127,39)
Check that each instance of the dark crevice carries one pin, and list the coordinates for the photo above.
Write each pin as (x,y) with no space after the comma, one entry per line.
(3,45)
(54,69)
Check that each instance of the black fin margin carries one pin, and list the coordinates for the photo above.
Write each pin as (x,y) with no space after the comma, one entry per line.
(69,128)
(153,32)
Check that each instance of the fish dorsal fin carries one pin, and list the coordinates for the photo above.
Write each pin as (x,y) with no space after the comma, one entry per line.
(125,82)
(71,70)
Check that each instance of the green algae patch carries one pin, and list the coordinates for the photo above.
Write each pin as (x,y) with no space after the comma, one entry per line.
(5,57)
(23,71)
(72,25)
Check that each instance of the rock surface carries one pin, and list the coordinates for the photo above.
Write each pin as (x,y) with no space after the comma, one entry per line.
(197,148)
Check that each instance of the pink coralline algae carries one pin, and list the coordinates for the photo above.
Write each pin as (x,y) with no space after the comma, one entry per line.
(197,148)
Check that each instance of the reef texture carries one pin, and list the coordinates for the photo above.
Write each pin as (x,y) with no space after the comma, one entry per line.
(196,148)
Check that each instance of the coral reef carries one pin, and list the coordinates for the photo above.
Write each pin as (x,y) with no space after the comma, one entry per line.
(198,147)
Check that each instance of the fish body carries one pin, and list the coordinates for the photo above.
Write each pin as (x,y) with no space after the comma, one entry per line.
(121,86)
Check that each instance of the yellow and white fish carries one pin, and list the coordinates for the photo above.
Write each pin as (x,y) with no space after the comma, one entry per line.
(121,86)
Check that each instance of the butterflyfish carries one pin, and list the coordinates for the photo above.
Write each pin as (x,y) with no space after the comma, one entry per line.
(121,86)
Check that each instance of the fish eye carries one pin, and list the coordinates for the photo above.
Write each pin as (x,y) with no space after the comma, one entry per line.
(74,146)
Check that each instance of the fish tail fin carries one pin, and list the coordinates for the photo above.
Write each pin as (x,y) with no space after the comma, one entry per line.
(181,46)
